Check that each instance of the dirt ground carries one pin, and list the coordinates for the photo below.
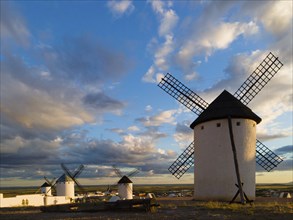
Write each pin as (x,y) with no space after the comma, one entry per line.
(173,208)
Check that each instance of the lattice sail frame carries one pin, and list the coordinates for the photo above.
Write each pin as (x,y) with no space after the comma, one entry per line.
(184,95)
(183,162)
(258,79)
(266,158)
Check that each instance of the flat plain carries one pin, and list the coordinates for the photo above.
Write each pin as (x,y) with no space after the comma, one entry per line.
(268,208)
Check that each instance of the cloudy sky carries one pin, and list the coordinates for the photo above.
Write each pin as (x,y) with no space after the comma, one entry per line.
(79,83)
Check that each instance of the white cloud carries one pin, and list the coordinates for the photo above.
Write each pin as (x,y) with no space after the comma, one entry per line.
(148,108)
(159,77)
(118,130)
(206,42)
(133,128)
(149,75)
(158,6)
(36,109)
(118,8)
(161,118)
(162,53)
(168,20)
(137,145)
(276,16)
(168,17)
(223,34)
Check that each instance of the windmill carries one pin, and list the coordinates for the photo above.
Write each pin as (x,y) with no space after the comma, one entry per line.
(47,187)
(65,183)
(226,122)
(125,185)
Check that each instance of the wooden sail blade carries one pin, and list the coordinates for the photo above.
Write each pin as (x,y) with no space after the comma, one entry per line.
(183,162)
(184,95)
(258,79)
(266,158)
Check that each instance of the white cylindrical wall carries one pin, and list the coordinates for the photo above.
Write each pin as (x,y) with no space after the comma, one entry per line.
(214,169)
(65,189)
(46,190)
(125,190)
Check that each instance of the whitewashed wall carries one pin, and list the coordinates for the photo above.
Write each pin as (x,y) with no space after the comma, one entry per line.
(65,189)
(46,190)
(125,190)
(32,200)
(214,170)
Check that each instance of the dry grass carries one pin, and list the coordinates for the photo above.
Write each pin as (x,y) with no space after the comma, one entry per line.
(172,209)
(282,209)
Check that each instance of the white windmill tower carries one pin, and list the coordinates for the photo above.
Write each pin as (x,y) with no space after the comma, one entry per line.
(213,141)
(125,185)
(125,188)
(65,186)
(46,189)
(47,186)
(65,183)
(227,123)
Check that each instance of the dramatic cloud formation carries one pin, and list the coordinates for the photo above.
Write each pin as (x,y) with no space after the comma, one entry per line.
(82,91)
(84,59)
(40,101)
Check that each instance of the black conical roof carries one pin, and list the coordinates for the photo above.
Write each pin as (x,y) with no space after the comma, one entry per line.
(64,178)
(45,184)
(124,179)
(223,106)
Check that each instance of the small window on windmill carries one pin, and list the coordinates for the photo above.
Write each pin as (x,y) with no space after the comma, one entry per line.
(238,123)
(218,124)
(202,127)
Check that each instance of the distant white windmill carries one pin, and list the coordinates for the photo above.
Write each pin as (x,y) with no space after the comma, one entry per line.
(65,186)
(125,185)
(46,188)
(65,183)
